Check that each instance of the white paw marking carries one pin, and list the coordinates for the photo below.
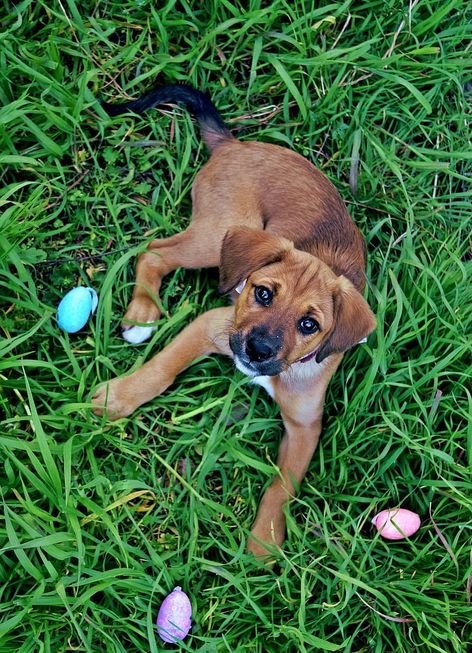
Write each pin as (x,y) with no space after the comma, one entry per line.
(137,334)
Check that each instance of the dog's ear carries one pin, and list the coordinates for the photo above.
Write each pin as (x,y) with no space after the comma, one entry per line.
(353,320)
(245,250)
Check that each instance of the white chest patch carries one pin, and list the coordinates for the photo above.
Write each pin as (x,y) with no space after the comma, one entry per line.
(266,383)
(299,377)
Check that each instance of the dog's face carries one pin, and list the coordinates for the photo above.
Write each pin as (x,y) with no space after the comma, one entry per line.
(291,308)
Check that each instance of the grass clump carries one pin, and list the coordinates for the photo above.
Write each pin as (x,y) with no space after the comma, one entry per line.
(100,521)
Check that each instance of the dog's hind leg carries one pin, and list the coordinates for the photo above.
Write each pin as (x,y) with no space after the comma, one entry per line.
(188,249)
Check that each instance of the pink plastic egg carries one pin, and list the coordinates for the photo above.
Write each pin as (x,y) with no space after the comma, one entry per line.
(396,523)
(174,619)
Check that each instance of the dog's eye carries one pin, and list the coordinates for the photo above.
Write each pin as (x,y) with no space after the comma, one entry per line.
(307,326)
(263,295)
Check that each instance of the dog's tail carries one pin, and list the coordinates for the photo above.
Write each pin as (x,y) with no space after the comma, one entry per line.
(199,105)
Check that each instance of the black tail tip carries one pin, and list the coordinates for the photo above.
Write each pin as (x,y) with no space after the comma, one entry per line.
(112,109)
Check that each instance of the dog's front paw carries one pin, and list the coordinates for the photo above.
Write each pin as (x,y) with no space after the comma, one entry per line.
(264,552)
(266,538)
(135,335)
(112,399)
(144,310)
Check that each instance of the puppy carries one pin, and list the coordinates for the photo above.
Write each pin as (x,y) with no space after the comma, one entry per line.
(293,262)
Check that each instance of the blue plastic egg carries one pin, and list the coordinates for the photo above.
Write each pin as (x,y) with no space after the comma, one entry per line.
(75,308)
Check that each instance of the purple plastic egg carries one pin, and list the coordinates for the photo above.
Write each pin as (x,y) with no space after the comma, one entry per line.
(396,523)
(174,619)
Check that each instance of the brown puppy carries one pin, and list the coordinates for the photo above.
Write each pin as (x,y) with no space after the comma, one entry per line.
(293,261)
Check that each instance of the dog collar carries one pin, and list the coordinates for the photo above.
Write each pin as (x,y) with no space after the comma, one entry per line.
(308,357)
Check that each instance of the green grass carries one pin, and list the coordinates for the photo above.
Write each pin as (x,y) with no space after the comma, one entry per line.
(100,521)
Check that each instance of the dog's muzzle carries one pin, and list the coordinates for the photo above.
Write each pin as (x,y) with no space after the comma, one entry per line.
(256,353)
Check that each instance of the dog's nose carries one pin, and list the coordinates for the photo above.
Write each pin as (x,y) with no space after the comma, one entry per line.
(259,350)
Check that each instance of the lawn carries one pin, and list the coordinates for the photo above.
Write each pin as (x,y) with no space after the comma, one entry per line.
(101,520)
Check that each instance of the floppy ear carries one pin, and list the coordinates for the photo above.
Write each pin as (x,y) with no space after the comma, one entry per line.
(353,320)
(245,250)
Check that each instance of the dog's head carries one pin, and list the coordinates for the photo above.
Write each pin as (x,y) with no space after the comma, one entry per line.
(291,307)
